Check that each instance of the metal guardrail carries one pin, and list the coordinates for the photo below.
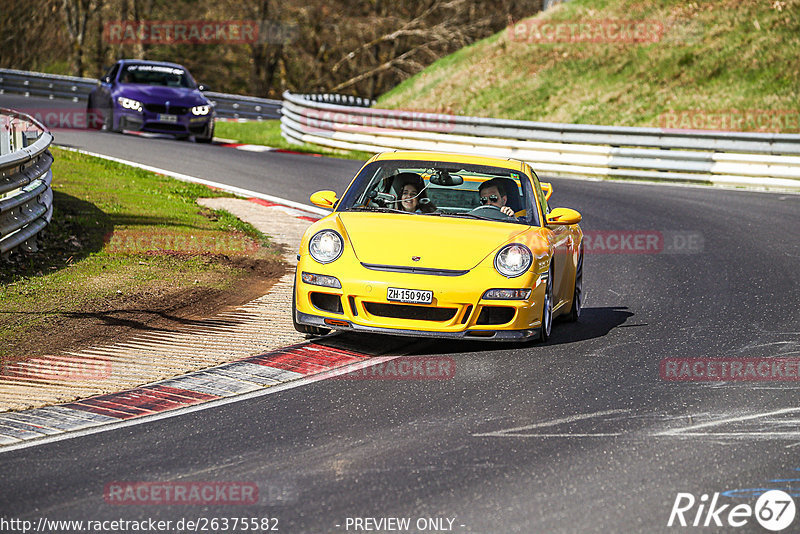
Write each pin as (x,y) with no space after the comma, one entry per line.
(78,89)
(26,200)
(725,158)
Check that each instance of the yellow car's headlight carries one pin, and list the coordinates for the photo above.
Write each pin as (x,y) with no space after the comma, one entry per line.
(326,246)
(513,260)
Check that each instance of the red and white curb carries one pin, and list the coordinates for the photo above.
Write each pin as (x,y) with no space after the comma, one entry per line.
(254,374)
(229,144)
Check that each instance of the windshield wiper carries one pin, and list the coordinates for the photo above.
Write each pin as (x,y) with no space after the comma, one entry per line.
(378,210)
(466,215)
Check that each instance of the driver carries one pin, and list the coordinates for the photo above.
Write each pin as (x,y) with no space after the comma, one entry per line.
(493,193)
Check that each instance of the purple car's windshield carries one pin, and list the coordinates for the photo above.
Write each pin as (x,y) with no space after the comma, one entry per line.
(156,75)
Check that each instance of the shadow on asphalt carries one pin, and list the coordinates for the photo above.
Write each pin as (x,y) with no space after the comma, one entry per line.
(594,323)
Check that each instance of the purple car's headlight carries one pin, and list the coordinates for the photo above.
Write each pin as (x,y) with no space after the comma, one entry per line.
(129,103)
(201,110)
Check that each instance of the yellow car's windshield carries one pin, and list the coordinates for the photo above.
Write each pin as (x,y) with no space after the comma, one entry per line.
(442,189)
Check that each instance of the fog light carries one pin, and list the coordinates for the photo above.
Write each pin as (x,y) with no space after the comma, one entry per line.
(507,294)
(321,280)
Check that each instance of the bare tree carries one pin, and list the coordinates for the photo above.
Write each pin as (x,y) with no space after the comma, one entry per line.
(77,14)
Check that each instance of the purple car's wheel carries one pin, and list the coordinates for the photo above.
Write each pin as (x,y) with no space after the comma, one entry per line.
(206,136)
(108,119)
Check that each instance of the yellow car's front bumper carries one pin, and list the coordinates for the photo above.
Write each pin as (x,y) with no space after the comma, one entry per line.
(458,309)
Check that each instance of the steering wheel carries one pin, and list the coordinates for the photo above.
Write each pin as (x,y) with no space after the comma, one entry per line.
(490,211)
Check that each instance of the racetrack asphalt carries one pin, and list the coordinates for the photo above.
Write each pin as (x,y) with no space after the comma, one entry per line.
(577,435)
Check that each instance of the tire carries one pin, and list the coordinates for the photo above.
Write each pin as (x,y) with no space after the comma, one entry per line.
(93,115)
(304,328)
(577,295)
(206,137)
(547,309)
(108,120)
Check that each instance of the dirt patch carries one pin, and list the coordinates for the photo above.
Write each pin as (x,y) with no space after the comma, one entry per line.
(158,307)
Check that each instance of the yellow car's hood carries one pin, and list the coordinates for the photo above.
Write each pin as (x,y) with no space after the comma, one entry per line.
(439,242)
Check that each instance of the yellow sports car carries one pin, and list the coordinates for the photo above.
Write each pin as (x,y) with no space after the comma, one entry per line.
(442,245)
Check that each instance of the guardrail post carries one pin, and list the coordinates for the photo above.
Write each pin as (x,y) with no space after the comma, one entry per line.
(5,136)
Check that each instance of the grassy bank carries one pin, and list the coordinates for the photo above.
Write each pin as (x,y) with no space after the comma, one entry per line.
(269,133)
(122,239)
(720,64)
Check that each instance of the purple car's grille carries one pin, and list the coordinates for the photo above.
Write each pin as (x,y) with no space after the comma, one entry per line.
(161,108)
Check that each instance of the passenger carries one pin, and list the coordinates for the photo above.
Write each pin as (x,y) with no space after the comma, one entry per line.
(413,197)
(493,193)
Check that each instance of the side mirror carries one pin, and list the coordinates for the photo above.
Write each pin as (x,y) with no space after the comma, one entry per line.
(324,199)
(106,79)
(202,87)
(563,216)
(547,189)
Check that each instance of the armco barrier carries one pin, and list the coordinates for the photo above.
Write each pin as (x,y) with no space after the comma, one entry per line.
(725,158)
(78,89)
(26,200)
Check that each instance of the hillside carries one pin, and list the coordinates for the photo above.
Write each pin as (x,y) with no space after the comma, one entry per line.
(713,64)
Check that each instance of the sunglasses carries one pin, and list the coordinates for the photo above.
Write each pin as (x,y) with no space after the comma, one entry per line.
(492,198)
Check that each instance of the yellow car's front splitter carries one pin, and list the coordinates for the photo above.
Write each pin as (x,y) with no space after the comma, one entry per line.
(473,333)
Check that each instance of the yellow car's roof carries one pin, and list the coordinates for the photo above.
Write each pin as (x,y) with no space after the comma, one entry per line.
(512,164)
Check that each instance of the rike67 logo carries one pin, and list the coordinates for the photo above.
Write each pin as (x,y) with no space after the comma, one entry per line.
(774,510)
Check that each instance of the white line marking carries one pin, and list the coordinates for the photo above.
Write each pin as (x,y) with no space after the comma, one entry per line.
(193,179)
(686,430)
(569,419)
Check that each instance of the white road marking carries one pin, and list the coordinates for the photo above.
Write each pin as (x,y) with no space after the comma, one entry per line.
(690,431)
(570,419)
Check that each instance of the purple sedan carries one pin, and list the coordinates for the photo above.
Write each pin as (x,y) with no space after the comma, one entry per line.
(152,96)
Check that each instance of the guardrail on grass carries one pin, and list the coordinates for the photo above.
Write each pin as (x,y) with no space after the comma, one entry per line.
(725,158)
(26,200)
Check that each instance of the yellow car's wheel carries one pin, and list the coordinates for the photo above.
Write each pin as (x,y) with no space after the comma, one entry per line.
(547,309)
(577,296)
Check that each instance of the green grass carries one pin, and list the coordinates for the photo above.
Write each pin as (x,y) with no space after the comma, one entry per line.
(269,133)
(730,56)
(117,232)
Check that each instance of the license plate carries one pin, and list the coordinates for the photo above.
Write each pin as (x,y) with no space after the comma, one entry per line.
(168,118)
(411,296)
